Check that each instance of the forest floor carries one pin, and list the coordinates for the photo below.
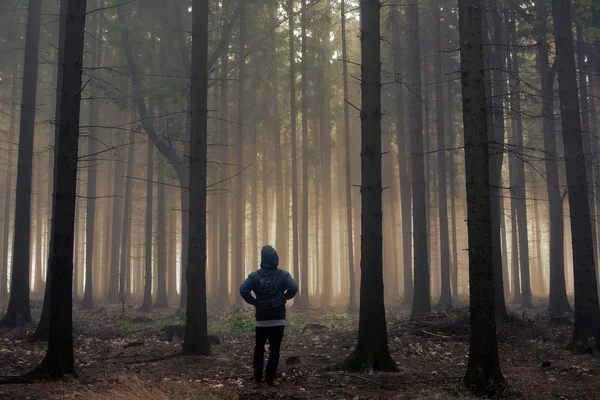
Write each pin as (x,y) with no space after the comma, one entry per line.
(123,355)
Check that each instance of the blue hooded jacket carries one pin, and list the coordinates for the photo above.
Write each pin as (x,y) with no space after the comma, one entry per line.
(269,261)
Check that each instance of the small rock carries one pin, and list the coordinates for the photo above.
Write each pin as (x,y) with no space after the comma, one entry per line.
(292,360)
(546,364)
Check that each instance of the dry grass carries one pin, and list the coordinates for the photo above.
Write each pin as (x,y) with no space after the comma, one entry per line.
(133,388)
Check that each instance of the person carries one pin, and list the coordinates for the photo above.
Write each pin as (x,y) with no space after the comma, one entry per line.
(272,288)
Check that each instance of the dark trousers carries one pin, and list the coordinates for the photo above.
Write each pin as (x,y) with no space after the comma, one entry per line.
(274,334)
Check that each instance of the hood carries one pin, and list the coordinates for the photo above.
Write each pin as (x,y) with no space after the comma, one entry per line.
(269,258)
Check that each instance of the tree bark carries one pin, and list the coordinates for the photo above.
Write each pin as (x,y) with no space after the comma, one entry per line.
(92,170)
(303,298)
(421,300)
(59,360)
(147,302)
(446,293)
(371,352)
(196,326)
(294,144)
(18,311)
(483,369)
(586,332)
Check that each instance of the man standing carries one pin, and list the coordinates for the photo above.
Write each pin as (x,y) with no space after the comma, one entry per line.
(272,288)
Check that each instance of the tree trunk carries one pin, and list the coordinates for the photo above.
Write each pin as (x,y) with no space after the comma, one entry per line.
(421,300)
(558,303)
(483,369)
(8,192)
(113,280)
(125,271)
(520,188)
(147,302)
(496,94)
(452,183)
(303,295)
(446,294)
(196,326)
(59,360)
(18,311)
(348,169)
(223,297)
(238,266)
(92,170)
(294,150)
(162,300)
(371,351)
(585,126)
(586,333)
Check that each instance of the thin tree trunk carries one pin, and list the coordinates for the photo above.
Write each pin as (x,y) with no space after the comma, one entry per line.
(240,198)
(223,297)
(147,302)
(452,183)
(124,276)
(521,190)
(294,150)
(113,280)
(421,300)
(18,311)
(446,293)
(92,170)
(348,169)
(558,303)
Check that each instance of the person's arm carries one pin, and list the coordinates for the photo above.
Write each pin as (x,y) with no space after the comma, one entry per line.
(246,291)
(291,287)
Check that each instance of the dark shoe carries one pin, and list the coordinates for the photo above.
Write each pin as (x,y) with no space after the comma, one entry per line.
(269,380)
(258,376)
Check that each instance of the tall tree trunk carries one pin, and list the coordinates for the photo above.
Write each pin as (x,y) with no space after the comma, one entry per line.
(585,126)
(446,293)
(325,131)
(240,198)
(59,360)
(125,271)
(147,302)
(421,300)
(371,351)
(92,170)
(303,300)
(18,311)
(196,326)
(39,283)
(112,295)
(558,303)
(496,135)
(520,188)
(162,300)
(452,183)
(483,369)
(8,193)
(348,169)
(224,208)
(294,144)
(586,333)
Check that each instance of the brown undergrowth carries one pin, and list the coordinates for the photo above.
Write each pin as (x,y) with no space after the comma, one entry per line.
(126,356)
